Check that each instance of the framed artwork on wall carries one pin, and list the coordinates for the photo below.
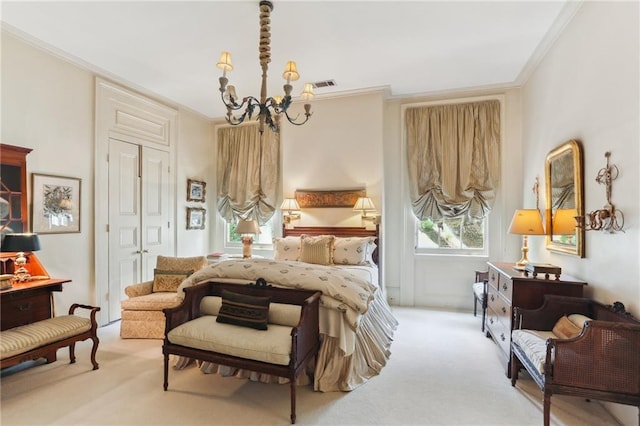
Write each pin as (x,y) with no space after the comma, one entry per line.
(328,198)
(55,204)
(196,190)
(195,217)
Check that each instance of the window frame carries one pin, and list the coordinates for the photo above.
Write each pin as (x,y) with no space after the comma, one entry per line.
(483,252)
(257,245)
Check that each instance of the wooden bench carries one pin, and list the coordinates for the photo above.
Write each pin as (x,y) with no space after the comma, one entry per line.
(41,339)
(293,328)
(601,362)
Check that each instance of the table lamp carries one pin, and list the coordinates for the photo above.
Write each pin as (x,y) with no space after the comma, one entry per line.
(20,244)
(247,228)
(526,222)
(564,222)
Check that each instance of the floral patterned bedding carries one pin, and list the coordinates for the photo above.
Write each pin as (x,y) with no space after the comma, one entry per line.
(341,290)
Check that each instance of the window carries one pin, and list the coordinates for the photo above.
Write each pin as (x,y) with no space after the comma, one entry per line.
(461,235)
(263,240)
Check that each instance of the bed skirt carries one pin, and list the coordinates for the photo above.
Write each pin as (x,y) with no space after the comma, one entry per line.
(333,370)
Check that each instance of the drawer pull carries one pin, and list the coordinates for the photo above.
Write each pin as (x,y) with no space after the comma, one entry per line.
(491,320)
(25,307)
(504,287)
(493,298)
(502,337)
(504,310)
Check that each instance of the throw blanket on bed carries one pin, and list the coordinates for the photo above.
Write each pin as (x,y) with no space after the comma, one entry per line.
(341,290)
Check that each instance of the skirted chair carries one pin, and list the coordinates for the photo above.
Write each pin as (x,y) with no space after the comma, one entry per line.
(142,316)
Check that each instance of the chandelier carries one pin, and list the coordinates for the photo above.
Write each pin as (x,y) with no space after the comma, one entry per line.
(268,109)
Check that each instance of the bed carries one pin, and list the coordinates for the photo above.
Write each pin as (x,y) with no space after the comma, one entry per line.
(356,322)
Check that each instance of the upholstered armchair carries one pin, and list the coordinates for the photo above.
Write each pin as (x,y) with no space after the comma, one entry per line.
(142,316)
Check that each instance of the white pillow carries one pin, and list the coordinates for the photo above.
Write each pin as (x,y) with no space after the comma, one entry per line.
(287,248)
(353,250)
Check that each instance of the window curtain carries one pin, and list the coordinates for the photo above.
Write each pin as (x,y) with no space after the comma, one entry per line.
(247,173)
(453,157)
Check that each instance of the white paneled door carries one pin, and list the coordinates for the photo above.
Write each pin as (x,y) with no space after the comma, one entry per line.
(139,217)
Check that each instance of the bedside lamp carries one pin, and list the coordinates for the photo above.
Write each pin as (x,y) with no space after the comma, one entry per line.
(247,228)
(290,205)
(364,204)
(526,222)
(20,243)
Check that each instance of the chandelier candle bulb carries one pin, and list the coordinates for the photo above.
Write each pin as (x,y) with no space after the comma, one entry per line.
(307,92)
(291,72)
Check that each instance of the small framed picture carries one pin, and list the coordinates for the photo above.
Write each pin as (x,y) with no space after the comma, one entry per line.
(196,190)
(55,204)
(195,218)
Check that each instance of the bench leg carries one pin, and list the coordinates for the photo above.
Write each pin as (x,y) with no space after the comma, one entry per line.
(514,369)
(94,350)
(72,353)
(293,401)
(166,371)
(547,408)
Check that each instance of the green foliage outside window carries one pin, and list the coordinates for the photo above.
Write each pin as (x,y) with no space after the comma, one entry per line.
(233,235)
(452,233)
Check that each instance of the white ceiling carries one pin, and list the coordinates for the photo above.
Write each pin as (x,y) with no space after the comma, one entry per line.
(407,47)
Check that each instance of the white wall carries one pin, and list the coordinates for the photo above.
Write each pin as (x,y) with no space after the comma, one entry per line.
(587,88)
(339,148)
(48,105)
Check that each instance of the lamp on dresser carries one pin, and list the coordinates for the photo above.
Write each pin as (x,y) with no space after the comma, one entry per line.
(247,228)
(23,245)
(526,222)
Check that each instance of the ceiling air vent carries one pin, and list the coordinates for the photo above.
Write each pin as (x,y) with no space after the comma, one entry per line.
(324,83)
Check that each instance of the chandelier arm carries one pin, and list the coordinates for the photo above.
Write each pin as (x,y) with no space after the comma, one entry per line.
(294,120)
(236,106)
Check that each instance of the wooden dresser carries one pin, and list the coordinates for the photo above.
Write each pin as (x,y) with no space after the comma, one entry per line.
(509,287)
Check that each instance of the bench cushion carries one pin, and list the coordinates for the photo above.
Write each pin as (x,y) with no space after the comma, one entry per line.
(534,345)
(272,346)
(151,302)
(27,337)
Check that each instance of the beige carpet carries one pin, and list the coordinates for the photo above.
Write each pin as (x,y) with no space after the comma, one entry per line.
(443,371)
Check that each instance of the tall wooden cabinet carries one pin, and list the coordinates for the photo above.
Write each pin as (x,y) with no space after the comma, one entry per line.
(508,287)
(13,189)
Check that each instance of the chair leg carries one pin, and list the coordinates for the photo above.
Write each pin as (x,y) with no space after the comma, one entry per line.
(166,371)
(475,305)
(293,401)
(547,408)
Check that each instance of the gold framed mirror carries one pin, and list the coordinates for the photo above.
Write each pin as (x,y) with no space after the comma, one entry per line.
(565,201)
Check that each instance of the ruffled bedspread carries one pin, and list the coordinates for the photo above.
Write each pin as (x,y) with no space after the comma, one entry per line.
(356,323)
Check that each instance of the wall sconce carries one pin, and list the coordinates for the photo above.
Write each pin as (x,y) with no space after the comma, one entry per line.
(364,205)
(607,218)
(290,205)
(526,222)
(20,244)
(247,228)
